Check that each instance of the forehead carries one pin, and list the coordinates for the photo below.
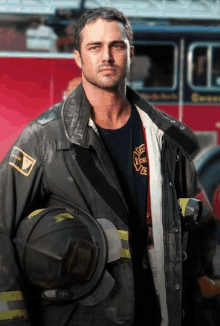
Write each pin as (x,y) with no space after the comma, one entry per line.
(102,30)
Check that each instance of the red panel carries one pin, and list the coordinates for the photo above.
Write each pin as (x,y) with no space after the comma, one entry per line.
(29,86)
(197,117)
(64,71)
(22,81)
(202,117)
(172,110)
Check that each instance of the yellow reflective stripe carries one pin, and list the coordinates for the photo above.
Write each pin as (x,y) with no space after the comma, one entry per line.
(123,235)
(217,282)
(44,285)
(125,253)
(183,204)
(30,216)
(13,314)
(63,216)
(11,296)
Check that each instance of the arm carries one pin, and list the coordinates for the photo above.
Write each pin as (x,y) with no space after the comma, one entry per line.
(21,189)
(202,238)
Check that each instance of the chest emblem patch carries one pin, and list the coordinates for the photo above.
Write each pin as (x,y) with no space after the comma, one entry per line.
(140,160)
(21,161)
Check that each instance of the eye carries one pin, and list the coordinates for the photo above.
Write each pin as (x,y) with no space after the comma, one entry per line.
(94,47)
(118,46)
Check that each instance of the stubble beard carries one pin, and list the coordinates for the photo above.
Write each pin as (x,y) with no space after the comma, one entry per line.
(108,82)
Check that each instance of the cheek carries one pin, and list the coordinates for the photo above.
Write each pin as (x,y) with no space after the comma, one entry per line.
(125,62)
(125,59)
(89,63)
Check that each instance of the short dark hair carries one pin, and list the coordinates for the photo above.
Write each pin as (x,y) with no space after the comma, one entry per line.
(106,13)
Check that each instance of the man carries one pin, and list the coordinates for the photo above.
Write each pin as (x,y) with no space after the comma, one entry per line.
(108,151)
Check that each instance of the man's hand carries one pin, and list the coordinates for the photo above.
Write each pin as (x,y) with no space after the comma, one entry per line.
(209,288)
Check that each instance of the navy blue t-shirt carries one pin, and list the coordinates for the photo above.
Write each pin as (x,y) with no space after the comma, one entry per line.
(126,147)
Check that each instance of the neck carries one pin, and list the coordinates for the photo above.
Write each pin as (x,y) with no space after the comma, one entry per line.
(110,108)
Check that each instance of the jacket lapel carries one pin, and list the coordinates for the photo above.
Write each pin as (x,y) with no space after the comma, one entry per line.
(108,168)
(97,178)
(75,115)
(176,130)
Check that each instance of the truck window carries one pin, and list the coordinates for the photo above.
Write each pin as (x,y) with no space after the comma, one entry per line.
(216,67)
(200,66)
(204,66)
(154,66)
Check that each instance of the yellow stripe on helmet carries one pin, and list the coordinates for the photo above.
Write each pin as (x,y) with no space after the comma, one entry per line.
(30,216)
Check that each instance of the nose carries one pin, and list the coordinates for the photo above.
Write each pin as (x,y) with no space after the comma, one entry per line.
(107,54)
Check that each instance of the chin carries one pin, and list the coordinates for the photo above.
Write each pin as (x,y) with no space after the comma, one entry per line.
(109,84)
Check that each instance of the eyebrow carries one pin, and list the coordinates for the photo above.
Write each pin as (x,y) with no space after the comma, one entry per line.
(111,43)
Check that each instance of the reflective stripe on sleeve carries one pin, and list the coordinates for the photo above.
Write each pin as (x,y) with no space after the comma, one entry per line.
(123,235)
(125,252)
(12,306)
(11,296)
(14,314)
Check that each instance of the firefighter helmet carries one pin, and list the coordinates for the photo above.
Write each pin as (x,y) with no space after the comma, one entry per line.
(60,248)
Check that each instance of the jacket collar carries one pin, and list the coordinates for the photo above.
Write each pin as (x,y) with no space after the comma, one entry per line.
(180,133)
(76,114)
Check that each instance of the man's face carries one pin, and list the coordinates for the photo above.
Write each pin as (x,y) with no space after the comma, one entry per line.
(105,54)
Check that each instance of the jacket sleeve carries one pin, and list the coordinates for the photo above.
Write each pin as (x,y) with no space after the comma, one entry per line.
(201,246)
(21,190)
(202,237)
(194,188)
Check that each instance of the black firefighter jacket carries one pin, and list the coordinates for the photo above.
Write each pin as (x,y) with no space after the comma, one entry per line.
(60,158)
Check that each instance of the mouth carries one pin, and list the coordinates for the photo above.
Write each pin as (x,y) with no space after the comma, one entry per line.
(108,69)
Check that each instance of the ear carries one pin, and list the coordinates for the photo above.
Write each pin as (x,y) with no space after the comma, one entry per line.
(131,53)
(77,58)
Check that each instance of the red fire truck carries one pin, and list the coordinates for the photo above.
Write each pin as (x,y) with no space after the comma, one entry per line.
(177,68)
(30,83)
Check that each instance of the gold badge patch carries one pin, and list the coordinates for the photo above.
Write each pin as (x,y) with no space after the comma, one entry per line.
(140,160)
(21,161)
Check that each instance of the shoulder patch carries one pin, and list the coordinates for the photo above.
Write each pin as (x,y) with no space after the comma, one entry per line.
(21,161)
(51,114)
